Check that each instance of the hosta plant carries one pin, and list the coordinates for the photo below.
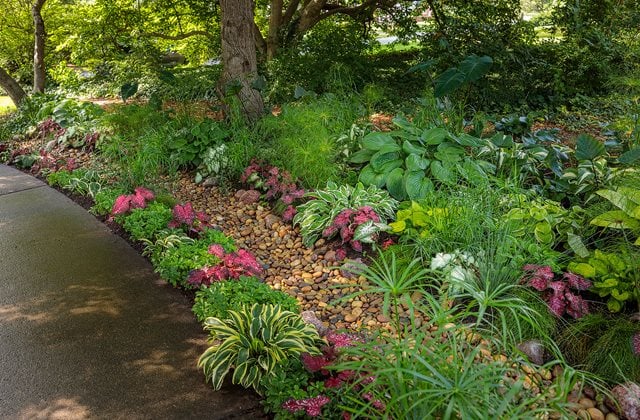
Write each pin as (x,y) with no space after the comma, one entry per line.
(422,220)
(357,214)
(253,342)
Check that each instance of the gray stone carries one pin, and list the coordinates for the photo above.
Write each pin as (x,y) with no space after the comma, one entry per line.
(534,350)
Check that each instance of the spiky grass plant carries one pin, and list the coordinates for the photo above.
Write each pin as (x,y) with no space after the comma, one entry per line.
(604,345)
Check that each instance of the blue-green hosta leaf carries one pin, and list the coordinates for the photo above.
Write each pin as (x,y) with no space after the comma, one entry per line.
(376,141)
(588,148)
(405,125)
(395,184)
(416,162)
(449,152)
(475,67)
(433,136)
(448,81)
(443,173)
(384,157)
(361,156)
(410,148)
(465,139)
(616,219)
(630,157)
(370,177)
(417,185)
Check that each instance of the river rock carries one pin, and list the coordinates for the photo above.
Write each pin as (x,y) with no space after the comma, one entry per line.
(534,350)
(310,318)
(628,397)
(248,196)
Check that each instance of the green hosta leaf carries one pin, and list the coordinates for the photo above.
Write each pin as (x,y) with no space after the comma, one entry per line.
(384,157)
(449,152)
(417,185)
(361,156)
(543,233)
(410,148)
(630,156)
(376,141)
(443,173)
(416,163)
(405,125)
(395,184)
(472,172)
(434,136)
(588,148)
(585,270)
(621,296)
(370,177)
(449,81)
(616,219)
(475,67)
(607,283)
(399,226)
(502,140)
(576,244)
(465,139)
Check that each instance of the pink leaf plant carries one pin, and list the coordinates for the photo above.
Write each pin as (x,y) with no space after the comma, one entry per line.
(346,223)
(231,266)
(276,184)
(127,202)
(558,291)
(184,216)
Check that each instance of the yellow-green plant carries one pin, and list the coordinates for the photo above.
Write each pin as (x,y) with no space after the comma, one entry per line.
(627,200)
(252,342)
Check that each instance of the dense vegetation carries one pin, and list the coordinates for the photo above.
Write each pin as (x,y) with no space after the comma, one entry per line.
(484,165)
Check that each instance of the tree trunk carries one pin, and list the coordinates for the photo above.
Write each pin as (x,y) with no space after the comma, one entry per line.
(38,49)
(275,20)
(13,89)
(239,54)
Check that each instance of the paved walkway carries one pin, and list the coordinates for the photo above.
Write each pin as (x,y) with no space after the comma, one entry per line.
(87,330)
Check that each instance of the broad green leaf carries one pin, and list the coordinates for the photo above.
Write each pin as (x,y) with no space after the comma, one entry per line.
(399,226)
(502,140)
(619,199)
(449,81)
(442,173)
(370,177)
(630,193)
(416,163)
(383,157)
(449,152)
(576,244)
(417,185)
(128,90)
(630,156)
(621,296)
(614,305)
(585,270)
(361,156)
(401,122)
(616,219)
(395,184)
(475,67)
(425,65)
(410,148)
(465,139)
(588,148)
(433,136)
(376,141)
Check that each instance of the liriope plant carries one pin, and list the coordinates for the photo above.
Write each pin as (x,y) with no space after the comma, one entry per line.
(252,342)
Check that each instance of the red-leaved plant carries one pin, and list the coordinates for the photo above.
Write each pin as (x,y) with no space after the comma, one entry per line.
(559,291)
(346,224)
(276,184)
(231,266)
(127,202)
(185,217)
(334,381)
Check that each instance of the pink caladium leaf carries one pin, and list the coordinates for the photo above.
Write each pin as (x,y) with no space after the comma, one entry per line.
(138,201)
(217,250)
(576,281)
(144,193)
(184,213)
(122,205)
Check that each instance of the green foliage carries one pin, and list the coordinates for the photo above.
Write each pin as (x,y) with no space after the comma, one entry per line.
(290,380)
(604,345)
(627,199)
(221,297)
(190,143)
(104,199)
(146,222)
(253,342)
(79,181)
(614,276)
(166,238)
(415,219)
(469,70)
(407,160)
(317,214)
(439,376)
(303,138)
(175,263)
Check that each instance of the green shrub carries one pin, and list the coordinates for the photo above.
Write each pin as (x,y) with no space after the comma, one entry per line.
(145,223)
(231,295)
(254,342)
(103,200)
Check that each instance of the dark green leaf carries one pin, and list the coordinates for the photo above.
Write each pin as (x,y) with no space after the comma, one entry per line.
(416,163)
(383,157)
(417,185)
(376,141)
(588,148)
(442,173)
(424,66)
(409,148)
(370,177)
(395,184)
(128,90)
(475,67)
(361,156)
(448,81)
(433,136)
(630,156)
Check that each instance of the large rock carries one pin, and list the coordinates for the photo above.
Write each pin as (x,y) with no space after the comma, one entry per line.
(248,196)
(534,350)
(628,397)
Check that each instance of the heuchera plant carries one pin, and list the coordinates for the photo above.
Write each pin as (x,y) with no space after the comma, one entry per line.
(128,202)
(333,381)
(276,184)
(558,291)
(231,266)
(185,217)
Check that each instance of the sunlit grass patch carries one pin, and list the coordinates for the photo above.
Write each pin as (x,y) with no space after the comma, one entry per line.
(6,105)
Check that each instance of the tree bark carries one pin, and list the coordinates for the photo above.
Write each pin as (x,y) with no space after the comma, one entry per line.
(239,54)
(275,20)
(38,49)
(13,89)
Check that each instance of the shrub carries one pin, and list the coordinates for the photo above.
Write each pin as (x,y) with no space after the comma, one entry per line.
(231,266)
(253,342)
(221,297)
(145,223)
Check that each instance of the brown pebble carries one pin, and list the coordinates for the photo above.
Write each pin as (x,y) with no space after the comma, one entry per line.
(587,403)
(612,416)
(583,414)
(595,413)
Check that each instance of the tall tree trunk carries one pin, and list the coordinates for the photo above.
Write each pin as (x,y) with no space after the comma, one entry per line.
(38,49)
(13,89)
(239,54)
(275,20)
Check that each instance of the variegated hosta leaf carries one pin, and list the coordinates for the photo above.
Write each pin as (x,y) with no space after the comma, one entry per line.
(253,341)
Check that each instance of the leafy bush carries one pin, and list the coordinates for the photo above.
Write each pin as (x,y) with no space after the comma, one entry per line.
(627,200)
(145,223)
(221,297)
(231,266)
(365,211)
(253,342)
(104,200)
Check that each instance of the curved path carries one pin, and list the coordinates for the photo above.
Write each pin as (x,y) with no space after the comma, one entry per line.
(87,330)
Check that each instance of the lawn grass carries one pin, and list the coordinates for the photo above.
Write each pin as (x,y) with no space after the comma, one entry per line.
(6,105)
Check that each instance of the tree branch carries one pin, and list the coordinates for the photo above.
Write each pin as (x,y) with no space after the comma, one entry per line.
(181,36)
